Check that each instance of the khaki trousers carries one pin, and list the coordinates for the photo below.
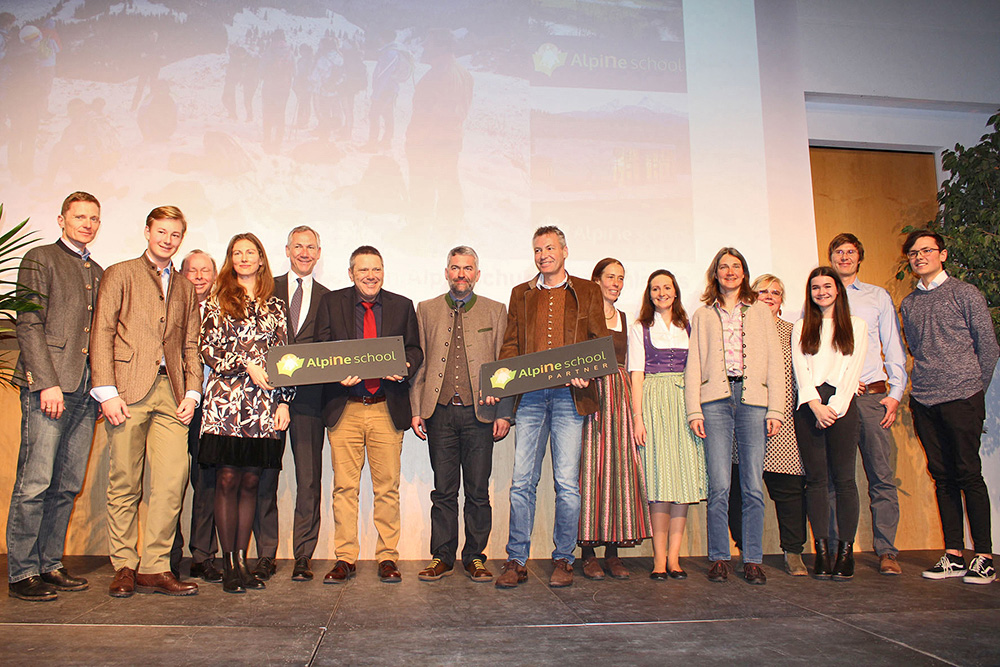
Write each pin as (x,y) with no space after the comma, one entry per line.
(152,433)
(361,429)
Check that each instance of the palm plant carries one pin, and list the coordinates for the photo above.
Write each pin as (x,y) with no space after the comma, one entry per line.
(14,297)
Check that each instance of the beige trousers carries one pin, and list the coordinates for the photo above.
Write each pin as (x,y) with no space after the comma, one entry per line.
(155,435)
(365,429)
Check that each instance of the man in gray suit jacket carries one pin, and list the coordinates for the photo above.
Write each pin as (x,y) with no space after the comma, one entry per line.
(147,375)
(57,412)
(459,332)
(302,294)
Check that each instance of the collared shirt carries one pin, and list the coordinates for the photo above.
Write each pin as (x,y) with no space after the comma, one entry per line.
(540,282)
(874,305)
(938,279)
(83,253)
(307,290)
(732,337)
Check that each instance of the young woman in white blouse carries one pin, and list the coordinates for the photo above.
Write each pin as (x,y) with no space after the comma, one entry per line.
(828,351)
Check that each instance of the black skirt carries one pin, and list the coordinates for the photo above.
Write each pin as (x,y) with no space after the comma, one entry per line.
(228,450)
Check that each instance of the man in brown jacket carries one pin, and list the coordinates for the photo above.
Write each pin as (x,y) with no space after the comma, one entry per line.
(147,376)
(551,310)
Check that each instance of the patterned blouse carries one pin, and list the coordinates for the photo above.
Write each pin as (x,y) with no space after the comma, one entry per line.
(233,404)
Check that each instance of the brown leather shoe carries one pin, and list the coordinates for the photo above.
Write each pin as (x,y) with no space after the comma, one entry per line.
(719,571)
(888,565)
(562,574)
(165,583)
(754,574)
(341,572)
(592,569)
(616,568)
(477,572)
(512,573)
(388,573)
(123,585)
(435,570)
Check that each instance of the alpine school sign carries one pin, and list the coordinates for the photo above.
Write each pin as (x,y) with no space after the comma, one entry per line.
(317,363)
(551,368)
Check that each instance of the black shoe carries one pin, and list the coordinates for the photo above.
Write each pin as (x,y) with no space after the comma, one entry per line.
(207,571)
(678,574)
(32,589)
(302,570)
(62,580)
(265,568)
(659,576)
(843,569)
(249,579)
(821,567)
(231,582)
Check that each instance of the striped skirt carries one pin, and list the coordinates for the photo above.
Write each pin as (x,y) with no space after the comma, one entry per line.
(674,457)
(613,508)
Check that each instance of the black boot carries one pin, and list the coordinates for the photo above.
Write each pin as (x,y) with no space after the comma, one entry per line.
(843,570)
(230,574)
(821,567)
(248,579)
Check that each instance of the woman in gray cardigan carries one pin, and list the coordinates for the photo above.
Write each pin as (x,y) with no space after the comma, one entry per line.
(734,388)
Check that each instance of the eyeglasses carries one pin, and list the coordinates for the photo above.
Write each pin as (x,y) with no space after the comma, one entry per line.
(922,252)
(773,292)
(845,253)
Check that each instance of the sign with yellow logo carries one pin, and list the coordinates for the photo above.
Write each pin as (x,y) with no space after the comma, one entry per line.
(551,368)
(317,363)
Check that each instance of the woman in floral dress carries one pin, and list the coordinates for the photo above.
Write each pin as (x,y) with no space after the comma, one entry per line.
(242,413)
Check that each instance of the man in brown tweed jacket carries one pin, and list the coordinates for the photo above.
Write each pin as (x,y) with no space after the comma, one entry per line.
(147,375)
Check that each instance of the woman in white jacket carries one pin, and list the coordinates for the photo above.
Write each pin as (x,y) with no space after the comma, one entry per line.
(828,351)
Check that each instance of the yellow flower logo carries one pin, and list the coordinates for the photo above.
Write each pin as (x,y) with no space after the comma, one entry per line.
(501,377)
(288,364)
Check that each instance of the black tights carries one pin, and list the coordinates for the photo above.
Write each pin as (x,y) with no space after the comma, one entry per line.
(235,505)
(610,551)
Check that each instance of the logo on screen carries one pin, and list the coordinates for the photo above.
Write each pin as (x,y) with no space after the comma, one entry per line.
(548,58)
(288,364)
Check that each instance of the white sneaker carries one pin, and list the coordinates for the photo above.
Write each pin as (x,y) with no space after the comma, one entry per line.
(948,566)
(980,571)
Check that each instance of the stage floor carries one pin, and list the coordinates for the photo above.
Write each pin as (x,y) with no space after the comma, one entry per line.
(872,620)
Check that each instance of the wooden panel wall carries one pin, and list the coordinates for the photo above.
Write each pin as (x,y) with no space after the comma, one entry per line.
(873,195)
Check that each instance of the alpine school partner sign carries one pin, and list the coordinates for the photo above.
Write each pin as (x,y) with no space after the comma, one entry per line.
(551,368)
(316,363)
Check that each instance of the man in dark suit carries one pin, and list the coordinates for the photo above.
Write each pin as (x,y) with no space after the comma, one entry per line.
(199,267)
(147,375)
(57,412)
(367,416)
(303,295)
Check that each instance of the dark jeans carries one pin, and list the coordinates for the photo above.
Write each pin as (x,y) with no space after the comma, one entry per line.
(307,438)
(950,434)
(829,452)
(203,542)
(461,447)
(788,494)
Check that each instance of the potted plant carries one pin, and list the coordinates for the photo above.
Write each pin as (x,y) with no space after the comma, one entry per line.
(14,297)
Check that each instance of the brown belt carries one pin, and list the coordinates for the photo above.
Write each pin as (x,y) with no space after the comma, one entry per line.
(879,387)
(366,400)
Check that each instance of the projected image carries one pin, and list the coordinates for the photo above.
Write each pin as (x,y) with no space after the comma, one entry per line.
(414,126)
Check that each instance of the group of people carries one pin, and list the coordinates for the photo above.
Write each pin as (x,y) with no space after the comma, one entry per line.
(712,406)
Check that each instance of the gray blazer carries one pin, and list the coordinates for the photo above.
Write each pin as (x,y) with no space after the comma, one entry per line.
(484,324)
(55,340)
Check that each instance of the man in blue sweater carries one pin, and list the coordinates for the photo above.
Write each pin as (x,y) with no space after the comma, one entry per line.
(950,335)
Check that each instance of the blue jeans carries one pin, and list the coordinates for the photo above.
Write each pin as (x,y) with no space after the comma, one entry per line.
(51,466)
(723,419)
(546,415)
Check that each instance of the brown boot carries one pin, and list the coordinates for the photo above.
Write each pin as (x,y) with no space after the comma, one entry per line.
(562,574)
(592,569)
(512,573)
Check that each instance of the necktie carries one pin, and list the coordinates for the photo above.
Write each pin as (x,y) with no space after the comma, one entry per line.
(295,307)
(371,385)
